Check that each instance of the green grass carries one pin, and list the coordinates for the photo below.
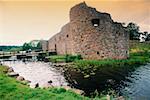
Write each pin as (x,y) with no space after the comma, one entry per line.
(136,46)
(57,58)
(88,66)
(64,58)
(11,89)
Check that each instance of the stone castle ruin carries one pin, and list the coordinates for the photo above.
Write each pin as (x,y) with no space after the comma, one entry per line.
(92,34)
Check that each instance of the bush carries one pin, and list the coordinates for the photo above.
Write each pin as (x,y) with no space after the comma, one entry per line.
(64,58)
(71,58)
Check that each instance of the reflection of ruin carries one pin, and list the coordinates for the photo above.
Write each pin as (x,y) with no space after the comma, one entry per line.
(92,34)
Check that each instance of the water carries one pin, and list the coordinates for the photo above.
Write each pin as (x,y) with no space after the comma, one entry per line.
(38,72)
(139,86)
(134,84)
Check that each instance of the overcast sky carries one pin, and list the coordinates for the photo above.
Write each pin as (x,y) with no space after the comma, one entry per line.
(25,20)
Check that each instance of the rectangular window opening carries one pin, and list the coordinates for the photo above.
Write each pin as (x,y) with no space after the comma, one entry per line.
(95,22)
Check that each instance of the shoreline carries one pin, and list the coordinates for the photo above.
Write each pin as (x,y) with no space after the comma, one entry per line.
(12,73)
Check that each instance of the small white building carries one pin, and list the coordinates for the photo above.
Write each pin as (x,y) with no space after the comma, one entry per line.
(142,37)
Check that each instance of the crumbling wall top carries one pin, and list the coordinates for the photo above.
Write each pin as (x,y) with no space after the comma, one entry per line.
(81,11)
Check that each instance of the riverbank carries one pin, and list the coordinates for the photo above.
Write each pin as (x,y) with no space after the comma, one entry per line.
(139,55)
(11,89)
(88,67)
(104,75)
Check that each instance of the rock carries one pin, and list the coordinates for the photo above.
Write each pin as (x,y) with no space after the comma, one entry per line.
(67,87)
(50,81)
(10,69)
(46,85)
(77,91)
(92,73)
(111,81)
(13,74)
(86,76)
(28,81)
(34,85)
(120,98)
(20,78)
(108,97)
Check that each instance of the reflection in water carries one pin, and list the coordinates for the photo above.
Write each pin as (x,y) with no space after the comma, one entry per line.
(38,72)
(129,82)
(139,87)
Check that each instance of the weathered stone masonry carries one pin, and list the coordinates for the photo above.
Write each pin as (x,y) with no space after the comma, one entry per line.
(92,34)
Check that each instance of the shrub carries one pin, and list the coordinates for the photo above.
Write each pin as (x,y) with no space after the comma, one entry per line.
(64,58)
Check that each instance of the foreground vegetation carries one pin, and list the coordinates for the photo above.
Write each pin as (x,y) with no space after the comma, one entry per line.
(64,58)
(11,89)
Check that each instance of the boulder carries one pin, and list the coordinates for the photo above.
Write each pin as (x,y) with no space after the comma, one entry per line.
(50,81)
(34,85)
(46,85)
(26,82)
(10,69)
(13,74)
(120,98)
(20,78)
(67,87)
(77,91)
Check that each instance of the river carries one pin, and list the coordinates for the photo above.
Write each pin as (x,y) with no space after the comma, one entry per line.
(138,88)
(38,72)
(135,86)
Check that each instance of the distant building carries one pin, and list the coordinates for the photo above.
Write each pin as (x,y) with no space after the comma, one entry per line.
(142,37)
(92,34)
(44,45)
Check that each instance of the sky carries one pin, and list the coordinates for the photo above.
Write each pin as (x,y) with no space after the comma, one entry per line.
(25,20)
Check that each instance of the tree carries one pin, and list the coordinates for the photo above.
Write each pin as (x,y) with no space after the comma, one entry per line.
(32,46)
(39,46)
(26,46)
(133,30)
(148,36)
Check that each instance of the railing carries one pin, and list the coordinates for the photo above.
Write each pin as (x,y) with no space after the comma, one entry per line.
(15,53)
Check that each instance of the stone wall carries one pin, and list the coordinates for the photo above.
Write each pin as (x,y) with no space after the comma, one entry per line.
(44,45)
(92,34)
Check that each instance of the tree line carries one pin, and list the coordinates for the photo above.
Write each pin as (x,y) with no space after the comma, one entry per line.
(25,47)
(134,31)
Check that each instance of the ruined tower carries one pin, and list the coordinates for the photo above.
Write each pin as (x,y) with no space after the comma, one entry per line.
(92,34)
